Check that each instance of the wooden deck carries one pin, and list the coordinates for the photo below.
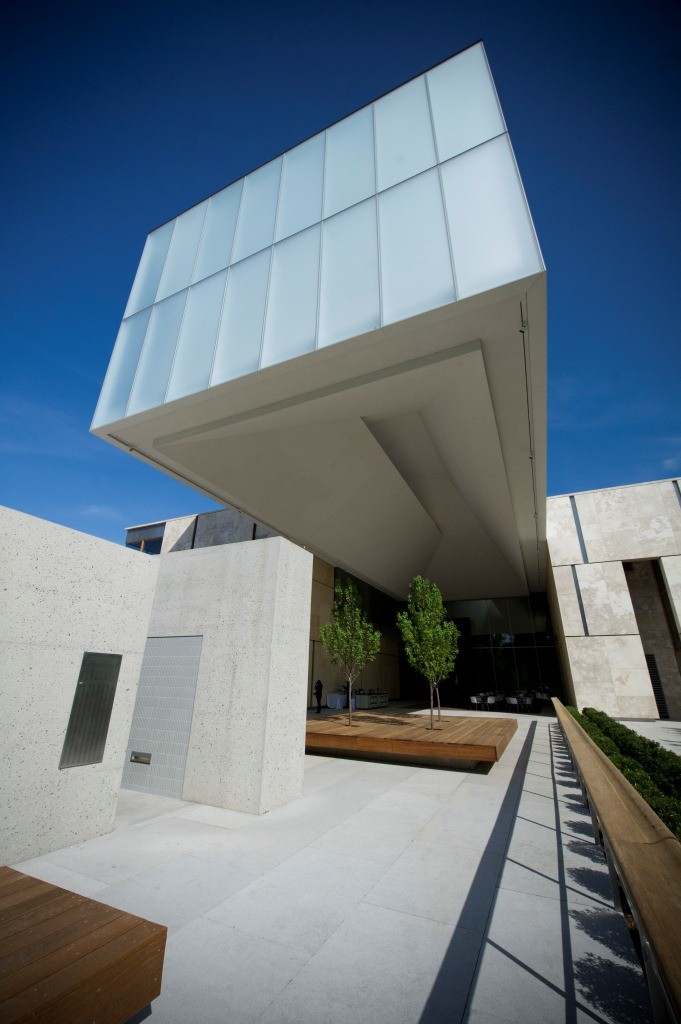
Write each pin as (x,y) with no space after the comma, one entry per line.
(409,736)
(66,959)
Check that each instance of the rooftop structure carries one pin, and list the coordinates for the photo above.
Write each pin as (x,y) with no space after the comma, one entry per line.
(349,345)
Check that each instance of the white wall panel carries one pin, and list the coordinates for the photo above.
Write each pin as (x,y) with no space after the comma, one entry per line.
(150,269)
(218,232)
(291,322)
(122,368)
(404,137)
(349,297)
(350,175)
(198,336)
(255,227)
(464,103)
(492,235)
(240,337)
(184,245)
(156,361)
(415,264)
(302,181)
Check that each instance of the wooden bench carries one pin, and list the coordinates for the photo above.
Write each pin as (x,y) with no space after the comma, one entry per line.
(66,959)
(644,860)
(410,736)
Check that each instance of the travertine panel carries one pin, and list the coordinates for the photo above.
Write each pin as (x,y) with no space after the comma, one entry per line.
(178,534)
(605,598)
(566,598)
(64,593)
(591,527)
(641,521)
(671,573)
(591,675)
(322,572)
(251,604)
(630,676)
(561,533)
(610,674)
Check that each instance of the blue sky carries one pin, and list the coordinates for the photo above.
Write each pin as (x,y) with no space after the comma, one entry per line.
(119,116)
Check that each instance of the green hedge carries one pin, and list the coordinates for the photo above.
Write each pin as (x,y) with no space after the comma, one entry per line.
(663,767)
(666,807)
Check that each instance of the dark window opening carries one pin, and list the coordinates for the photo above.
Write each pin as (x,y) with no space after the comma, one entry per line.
(147,539)
(91,710)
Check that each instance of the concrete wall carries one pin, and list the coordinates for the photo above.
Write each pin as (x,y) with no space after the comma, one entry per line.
(64,593)
(225,526)
(251,604)
(589,536)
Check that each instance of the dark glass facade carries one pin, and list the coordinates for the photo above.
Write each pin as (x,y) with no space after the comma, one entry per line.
(506,645)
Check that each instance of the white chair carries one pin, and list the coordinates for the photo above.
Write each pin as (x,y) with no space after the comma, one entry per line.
(491,701)
(512,703)
(476,703)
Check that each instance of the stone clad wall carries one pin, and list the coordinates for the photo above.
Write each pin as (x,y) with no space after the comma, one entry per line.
(251,604)
(64,593)
(589,536)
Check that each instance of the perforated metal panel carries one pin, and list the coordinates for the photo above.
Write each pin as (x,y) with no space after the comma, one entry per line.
(162,718)
(91,710)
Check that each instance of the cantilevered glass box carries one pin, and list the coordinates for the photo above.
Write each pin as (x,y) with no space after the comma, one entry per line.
(396,235)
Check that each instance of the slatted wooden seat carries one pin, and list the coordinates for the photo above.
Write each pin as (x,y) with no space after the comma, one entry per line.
(644,859)
(66,959)
(409,736)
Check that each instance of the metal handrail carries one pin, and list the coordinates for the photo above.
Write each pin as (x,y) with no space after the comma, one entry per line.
(644,862)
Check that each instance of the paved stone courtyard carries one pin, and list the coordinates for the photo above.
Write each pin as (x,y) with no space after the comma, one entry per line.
(389,893)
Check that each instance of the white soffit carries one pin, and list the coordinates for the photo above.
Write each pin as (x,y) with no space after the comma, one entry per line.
(416,448)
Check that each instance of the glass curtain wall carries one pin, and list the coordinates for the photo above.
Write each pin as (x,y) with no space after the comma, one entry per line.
(410,203)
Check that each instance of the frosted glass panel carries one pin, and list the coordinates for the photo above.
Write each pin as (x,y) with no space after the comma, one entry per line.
(492,235)
(464,103)
(149,389)
(415,262)
(121,372)
(255,228)
(350,175)
(349,299)
(302,179)
(291,322)
(238,348)
(177,272)
(404,138)
(218,232)
(194,356)
(150,269)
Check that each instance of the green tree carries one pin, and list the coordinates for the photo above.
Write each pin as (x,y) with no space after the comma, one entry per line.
(349,639)
(431,640)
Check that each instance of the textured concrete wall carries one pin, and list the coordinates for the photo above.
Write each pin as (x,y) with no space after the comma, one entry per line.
(223,527)
(589,538)
(178,534)
(64,593)
(251,604)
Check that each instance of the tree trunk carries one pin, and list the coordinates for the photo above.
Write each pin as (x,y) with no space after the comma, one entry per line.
(350,702)
(431,707)
(437,690)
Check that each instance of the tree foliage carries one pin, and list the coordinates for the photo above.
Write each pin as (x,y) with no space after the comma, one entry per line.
(431,640)
(349,639)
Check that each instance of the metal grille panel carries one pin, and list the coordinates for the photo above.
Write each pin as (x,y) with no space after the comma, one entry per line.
(91,710)
(163,715)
